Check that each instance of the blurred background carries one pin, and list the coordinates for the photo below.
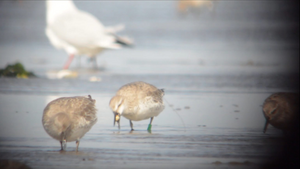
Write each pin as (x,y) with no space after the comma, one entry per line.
(222,37)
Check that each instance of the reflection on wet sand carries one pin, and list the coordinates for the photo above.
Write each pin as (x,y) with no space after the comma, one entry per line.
(166,147)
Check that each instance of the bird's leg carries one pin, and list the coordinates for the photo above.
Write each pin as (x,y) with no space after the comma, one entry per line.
(61,145)
(94,60)
(266,126)
(77,144)
(79,62)
(63,142)
(150,124)
(67,64)
(131,125)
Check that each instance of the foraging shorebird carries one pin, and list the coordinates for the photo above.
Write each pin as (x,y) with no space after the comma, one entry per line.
(137,101)
(67,119)
(281,110)
(78,32)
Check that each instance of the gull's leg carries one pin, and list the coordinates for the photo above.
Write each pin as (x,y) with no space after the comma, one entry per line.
(94,60)
(131,125)
(67,64)
(79,62)
(77,145)
(150,124)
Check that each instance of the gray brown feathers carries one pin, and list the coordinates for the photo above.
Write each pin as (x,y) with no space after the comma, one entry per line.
(281,110)
(69,117)
(141,90)
(138,101)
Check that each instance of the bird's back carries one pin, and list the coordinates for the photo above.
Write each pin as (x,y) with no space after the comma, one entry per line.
(142,100)
(285,108)
(79,112)
(81,29)
(286,101)
(141,90)
(76,107)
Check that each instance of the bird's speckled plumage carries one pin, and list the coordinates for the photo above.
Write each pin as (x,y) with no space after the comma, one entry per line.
(281,110)
(69,118)
(138,101)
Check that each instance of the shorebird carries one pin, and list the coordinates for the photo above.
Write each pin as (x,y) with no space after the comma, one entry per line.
(67,119)
(78,32)
(281,110)
(185,6)
(137,101)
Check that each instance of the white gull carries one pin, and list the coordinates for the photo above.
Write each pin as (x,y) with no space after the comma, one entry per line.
(78,32)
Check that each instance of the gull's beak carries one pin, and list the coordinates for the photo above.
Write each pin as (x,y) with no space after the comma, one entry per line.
(266,125)
(117,119)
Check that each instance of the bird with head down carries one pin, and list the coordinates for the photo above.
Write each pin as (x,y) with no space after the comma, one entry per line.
(281,110)
(137,101)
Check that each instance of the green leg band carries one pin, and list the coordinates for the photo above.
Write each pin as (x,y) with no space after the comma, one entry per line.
(149,127)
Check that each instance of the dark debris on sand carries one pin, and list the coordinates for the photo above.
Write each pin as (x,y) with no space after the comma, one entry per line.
(15,70)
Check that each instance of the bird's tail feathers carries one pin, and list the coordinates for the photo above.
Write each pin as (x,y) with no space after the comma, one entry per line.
(123,40)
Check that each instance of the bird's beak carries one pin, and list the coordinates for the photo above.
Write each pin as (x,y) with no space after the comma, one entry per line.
(117,119)
(266,125)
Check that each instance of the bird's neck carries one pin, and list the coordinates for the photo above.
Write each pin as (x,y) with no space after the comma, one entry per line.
(58,7)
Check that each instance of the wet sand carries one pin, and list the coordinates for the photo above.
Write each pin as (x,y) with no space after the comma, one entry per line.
(224,132)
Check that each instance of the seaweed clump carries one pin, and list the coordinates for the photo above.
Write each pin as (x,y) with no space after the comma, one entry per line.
(16,70)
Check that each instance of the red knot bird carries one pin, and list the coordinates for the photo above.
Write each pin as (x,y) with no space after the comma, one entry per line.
(137,101)
(67,119)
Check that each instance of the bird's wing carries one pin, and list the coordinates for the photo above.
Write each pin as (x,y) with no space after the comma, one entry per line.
(82,29)
(141,90)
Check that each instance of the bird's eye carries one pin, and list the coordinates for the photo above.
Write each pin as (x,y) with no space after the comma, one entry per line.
(273,112)
(119,105)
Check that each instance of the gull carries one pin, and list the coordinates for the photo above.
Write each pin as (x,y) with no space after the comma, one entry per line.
(137,101)
(67,119)
(78,32)
(281,111)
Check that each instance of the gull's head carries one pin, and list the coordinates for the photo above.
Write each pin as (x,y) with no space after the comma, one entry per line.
(117,106)
(55,8)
